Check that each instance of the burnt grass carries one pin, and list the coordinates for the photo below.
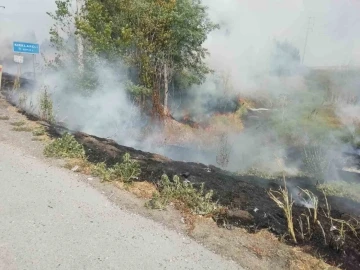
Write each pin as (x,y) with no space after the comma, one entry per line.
(241,195)
(245,199)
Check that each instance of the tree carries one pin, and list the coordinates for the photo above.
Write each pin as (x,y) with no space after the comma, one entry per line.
(70,56)
(159,38)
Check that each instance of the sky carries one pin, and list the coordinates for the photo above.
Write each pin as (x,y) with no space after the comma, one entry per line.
(334,39)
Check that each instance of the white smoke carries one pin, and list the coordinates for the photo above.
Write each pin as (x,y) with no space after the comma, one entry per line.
(242,50)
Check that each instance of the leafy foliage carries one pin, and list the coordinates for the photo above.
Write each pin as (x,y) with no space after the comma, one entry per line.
(196,200)
(126,171)
(65,147)
(151,36)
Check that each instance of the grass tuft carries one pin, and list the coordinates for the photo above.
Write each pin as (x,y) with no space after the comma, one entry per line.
(22,129)
(18,123)
(40,131)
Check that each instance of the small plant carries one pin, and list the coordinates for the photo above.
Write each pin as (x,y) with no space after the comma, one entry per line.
(65,147)
(126,171)
(311,203)
(286,204)
(100,170)
(46,106)
(197,201)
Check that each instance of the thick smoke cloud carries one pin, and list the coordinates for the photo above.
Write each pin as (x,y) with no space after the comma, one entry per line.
(241,51)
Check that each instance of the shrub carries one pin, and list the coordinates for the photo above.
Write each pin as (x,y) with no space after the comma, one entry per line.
(65,147)
(126,171)
(196,200)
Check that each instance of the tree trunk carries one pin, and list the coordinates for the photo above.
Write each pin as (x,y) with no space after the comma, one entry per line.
(166,90)
(157,112)
(79,41)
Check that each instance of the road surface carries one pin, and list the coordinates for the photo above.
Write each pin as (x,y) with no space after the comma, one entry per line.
(51,220)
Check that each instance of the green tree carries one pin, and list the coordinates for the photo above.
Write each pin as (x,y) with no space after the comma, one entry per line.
(159,38)
(63,39)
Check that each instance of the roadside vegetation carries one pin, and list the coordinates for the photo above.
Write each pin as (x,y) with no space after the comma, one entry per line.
(159,45)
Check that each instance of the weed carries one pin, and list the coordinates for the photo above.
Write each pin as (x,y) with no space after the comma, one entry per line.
(100,170)
(311,203)
(126,171)
(65,147)
(286,204)
(4,117)
(46,106)
(169,191)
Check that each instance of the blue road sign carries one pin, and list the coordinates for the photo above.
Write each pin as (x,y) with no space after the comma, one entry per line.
(24,47)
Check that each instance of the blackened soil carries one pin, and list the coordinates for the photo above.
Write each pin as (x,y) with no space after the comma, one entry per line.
(248,194)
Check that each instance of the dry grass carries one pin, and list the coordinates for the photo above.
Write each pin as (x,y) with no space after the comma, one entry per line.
(22,129)
(83,165)
(4,117)
(18,123)
(285,202)
(144,190)
(328,116)
(221,123)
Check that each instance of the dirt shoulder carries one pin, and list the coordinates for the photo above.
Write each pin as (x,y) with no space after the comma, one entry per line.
(252,251)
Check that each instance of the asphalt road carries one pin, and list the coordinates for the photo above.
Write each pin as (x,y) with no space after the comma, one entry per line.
(51,220)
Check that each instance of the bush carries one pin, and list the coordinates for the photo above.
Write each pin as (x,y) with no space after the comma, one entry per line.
(65,147)
(126,171)
(197,201)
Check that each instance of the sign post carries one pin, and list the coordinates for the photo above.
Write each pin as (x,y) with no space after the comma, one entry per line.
(26,48)
(1,68)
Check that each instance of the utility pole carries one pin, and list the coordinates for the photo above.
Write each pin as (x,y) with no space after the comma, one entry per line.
(79,41)
(308,30)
